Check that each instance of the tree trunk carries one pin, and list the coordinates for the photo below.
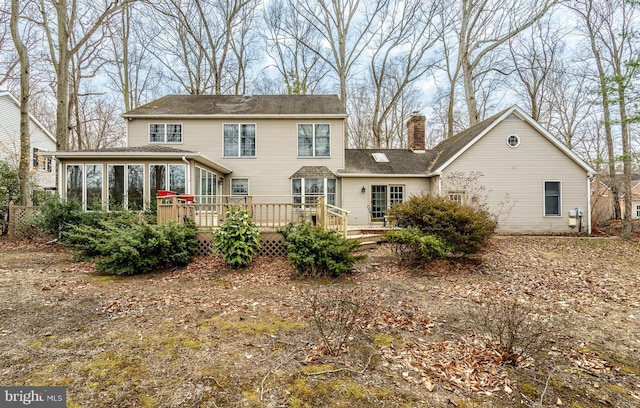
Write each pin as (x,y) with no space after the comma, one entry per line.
(25,136)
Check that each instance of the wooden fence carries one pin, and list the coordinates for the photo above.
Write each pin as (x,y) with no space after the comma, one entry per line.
(19,224)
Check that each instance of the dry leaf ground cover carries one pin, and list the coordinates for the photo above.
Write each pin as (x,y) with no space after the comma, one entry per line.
(387,336)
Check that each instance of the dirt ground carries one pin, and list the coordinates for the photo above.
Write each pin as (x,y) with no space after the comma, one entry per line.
(389,335)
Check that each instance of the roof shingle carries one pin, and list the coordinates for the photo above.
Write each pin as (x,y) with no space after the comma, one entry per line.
(241,105)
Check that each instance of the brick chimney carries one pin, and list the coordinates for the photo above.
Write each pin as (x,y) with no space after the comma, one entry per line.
(416,132)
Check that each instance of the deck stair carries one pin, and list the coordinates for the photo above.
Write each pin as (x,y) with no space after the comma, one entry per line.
(367,238)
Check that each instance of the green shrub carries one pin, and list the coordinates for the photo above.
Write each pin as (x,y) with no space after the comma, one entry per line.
(9,191)
(119,248)
(238,239)
(58,216)
(464,228)
(316,252)
(412,244)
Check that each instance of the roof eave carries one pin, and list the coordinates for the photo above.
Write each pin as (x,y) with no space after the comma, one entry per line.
(139,155)
(237,115)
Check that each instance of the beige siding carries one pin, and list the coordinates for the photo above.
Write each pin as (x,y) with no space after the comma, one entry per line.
(514,178)
(357,202)
(276,149)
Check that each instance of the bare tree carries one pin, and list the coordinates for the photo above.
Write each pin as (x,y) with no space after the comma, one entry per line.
(129,66)
(609,29)
(346,29)
(399,57)
(25,135)
(481,28)
(8,59)
(535,56)
(71,21)
(301,70)
(202,44)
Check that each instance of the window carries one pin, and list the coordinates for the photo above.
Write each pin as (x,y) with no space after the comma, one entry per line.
(160,179)
(36,158)
(93,184)
(456,196)
(513,141)
(396,194)
(205,185)
(125,186)
(177,177)
(307,191)
(84,185)
(637,211)
(314,140)
(42,163)
(74,182)
(165,133)
(552,198)
(157,179)
(239,186)
(239,140)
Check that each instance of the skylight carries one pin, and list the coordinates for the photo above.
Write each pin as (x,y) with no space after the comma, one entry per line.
(380,157)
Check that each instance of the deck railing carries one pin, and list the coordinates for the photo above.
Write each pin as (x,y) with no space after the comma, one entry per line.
(268,212)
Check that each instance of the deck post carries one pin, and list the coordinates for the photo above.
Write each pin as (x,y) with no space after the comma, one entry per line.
(11,221)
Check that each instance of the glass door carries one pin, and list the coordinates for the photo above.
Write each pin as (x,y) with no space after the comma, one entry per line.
(378,202)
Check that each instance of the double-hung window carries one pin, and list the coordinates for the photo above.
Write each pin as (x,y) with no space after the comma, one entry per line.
(240,186)
(239,140)
(552,198)
(165,133)
(314,140)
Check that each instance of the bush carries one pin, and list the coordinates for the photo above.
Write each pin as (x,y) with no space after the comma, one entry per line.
(412,244)
(465,229)
(518,329)
(119,248)
(9,191)
(316,252)
(238,239)
(58,216)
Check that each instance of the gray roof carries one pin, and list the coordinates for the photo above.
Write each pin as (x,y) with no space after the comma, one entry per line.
(408,162)
(256,105)
(139,149)
(449,147)
(313,172)
(405,162)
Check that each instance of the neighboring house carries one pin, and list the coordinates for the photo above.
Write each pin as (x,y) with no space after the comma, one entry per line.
(635,201)
(43,168)
(291,148)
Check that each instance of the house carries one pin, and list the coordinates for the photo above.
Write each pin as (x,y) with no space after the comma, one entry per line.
(522,174)
(43,168)
(291,149)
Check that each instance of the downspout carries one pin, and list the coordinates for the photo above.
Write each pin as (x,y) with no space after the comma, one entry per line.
(589,179)
(187,176)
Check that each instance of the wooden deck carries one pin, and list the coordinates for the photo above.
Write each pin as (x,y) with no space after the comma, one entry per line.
(268,212)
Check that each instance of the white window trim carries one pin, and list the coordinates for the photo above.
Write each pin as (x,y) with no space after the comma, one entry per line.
(239,156)
(239,178)
(165,133)
(637,214)
(126,184)
(510,145)
(544,197)
(313,146)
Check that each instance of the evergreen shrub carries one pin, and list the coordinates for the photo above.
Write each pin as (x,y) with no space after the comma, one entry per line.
(316,252)
(118,247)
(465,229)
